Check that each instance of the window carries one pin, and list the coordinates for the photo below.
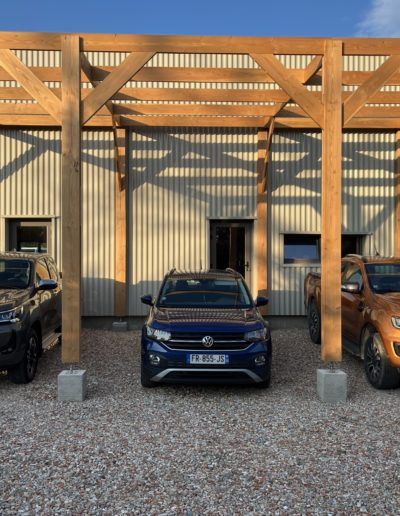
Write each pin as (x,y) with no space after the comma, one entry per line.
(52,268)
(301,249)
(30,235)
(306,249)
(353,275)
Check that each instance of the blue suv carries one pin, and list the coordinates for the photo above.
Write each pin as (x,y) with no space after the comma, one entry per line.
(204,327)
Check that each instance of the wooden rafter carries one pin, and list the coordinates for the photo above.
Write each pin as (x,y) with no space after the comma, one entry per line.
(28,80)
(291,85)
(372,85)
(113,82)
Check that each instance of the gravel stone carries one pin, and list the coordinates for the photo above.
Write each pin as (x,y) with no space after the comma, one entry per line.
(197,450)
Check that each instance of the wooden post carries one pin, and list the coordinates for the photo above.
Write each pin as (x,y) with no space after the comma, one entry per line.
(120,223)
(71,199)
(331,230)
(397,197)
(262,256)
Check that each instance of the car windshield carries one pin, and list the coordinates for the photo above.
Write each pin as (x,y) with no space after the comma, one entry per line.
(204,293)
(383,278)
(14,273)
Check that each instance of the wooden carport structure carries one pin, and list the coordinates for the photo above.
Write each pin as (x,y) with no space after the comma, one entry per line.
(322,95)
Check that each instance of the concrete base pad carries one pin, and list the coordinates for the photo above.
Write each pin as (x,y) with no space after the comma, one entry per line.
(332,385)
(120,326)
(72,385)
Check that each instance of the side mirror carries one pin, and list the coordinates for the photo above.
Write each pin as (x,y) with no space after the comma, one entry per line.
(47,284)
(261,301)
(147,300)
(351,288)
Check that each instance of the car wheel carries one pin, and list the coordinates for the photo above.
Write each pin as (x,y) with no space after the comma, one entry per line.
(379,371)
(314,322)
(25,371)
(145,379)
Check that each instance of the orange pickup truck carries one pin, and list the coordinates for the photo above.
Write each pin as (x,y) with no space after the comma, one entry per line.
(370,314)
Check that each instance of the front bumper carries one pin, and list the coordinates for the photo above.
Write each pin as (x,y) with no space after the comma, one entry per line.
(12,344)
(174,367)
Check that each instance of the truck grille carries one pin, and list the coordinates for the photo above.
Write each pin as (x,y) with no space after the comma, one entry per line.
(193,341)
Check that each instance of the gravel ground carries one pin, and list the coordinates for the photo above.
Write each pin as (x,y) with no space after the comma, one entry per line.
(179,450)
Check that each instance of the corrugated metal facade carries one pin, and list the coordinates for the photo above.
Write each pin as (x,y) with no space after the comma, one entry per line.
(179,180)
(30,187)
(295,202)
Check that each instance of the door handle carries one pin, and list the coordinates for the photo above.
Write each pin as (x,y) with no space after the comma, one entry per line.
(247,266)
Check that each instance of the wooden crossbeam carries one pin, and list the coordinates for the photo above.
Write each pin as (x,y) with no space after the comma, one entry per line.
(373,84)
(28,80)
(309,72)
(193,94)
(291,85)
(199,44)
(113,82)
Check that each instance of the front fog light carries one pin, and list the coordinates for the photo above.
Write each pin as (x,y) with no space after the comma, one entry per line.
(260,360)
(154,360)
(396,346)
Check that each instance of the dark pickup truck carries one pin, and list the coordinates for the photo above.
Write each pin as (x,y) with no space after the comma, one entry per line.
(30,311)
(370,314)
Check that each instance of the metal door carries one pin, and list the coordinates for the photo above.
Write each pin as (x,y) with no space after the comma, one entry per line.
(230,246)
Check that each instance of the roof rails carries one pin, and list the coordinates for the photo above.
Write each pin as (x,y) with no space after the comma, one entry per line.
(359,256)
(172,271)
(231,271)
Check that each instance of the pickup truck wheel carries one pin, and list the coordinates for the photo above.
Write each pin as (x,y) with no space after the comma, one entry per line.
(379,371)
(314,322)
(25,371)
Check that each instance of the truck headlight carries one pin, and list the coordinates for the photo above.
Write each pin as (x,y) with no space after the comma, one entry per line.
(155,333)
(260,334)
(12,316)
(396,322)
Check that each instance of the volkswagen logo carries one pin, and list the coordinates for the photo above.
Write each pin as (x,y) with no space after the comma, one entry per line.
(207,341)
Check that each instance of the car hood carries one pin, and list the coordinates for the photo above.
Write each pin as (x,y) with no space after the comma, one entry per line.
(389,302)
(180,319)
(11,298)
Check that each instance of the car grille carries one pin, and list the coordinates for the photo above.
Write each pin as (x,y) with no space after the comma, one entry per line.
(193,341)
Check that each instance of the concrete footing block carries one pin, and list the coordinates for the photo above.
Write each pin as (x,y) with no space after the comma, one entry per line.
(332,385)
(72,385)
(120,326)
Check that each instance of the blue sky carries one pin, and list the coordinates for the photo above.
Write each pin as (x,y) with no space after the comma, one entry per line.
(380,18)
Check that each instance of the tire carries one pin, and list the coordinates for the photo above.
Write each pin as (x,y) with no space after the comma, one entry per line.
(314,322)
(145,379)
(378,370)
(25,371)
(267,382)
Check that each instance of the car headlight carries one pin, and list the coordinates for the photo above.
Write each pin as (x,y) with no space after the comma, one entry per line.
(260,334)
(11,316)
(155,333)
(396,322)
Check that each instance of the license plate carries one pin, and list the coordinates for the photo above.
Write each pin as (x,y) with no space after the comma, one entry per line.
(204,359)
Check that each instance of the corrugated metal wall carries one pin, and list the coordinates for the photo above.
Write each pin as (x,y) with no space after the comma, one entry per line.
(295,202)
(30,187)
(179,179)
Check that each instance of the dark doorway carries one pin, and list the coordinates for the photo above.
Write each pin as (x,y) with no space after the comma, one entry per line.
(230,246)
(352,244)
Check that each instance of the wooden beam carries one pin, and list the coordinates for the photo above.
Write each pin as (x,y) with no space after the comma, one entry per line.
(372,85)
(34,86)
(113,82)
(262,219)
(71,200)
(331,220)
(397,197)
(264,180)
(285,79)
(120,300)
